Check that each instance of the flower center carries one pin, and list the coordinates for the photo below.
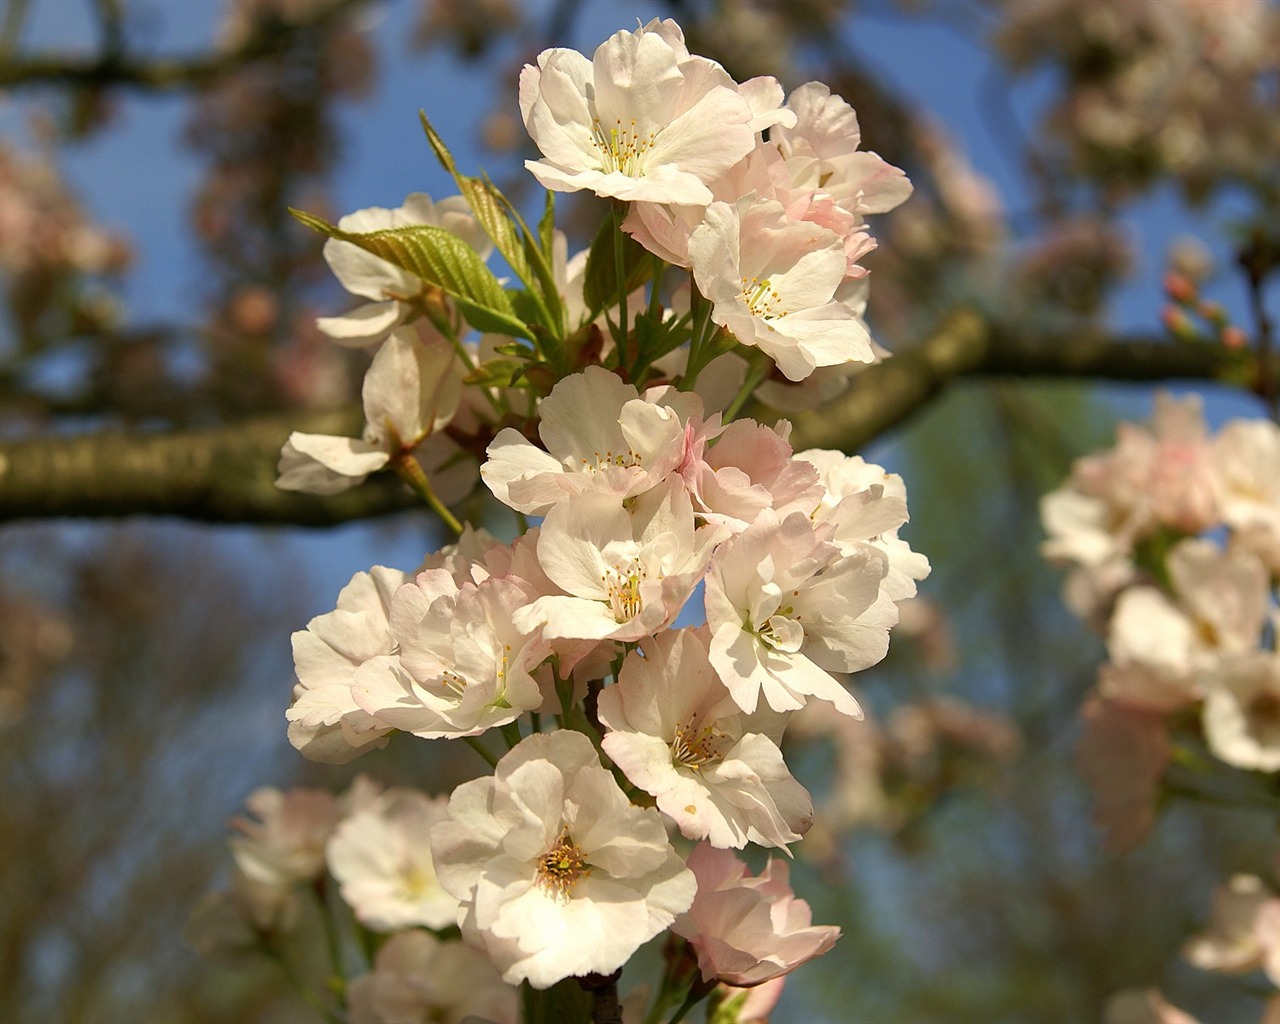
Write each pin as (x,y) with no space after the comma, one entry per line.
(782,631)
(693,748)
(623,586)
(607,460)
(762,299)
(561,866)
(621,148)
(454,682)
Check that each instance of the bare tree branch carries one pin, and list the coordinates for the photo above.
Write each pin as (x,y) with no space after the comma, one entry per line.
(115,67)
(227,474)
(966,344)
(219,475)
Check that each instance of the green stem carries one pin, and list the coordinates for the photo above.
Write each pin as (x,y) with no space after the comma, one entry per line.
(694,997)
(304,993)
(474,743)
(620,269)
(411,472)
(756,372)
(331,941)
(511,733)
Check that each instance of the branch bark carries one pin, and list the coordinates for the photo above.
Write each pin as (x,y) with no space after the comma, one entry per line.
(227,474)
(219,475)
(114,67)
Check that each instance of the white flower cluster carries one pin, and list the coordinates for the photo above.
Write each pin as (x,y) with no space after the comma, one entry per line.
(1173,540)
(619,728)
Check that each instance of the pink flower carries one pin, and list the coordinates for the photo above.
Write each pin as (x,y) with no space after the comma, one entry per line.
(748,930)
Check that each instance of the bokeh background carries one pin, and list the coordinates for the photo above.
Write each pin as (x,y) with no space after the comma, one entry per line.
(154,280)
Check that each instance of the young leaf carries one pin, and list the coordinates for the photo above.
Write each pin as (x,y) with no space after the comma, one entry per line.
(600,285)
(441,258)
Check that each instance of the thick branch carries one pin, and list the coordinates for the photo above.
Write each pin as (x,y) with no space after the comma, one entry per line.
(219,475)
(117,68)
(965,344)
(227,474)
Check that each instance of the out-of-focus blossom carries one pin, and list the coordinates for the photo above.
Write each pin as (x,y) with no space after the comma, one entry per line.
(1246,479)
(1154,86)
(1145,1006)
(284,846)
(381,858)
(1230,944)
(418,978)
(748,930)
(1154,478)
(42,228)
(1242,711)
(1122,755)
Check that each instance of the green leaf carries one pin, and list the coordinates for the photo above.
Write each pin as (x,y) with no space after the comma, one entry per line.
(495,373)
(440,258)
(511,236)
(486,203)
(547,226)
(600,288)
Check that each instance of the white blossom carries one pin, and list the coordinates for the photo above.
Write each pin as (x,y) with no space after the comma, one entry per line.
(558,874)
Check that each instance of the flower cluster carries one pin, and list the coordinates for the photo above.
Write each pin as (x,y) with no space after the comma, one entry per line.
(1173,541)
(1177,86)
(600,399)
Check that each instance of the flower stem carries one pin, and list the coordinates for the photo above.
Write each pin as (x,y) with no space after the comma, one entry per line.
(620,268)
(411,472)
(475,744)
(756,372)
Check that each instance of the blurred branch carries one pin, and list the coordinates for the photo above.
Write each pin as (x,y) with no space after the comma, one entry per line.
(114,66)
(227,474)
(966,344)
(219,475)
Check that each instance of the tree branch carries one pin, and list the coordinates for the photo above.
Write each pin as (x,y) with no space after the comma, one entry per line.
(227,474)
(114,67)
(219,475)
(966,344)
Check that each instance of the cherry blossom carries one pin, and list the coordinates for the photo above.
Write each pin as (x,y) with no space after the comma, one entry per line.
(748,930)
(381,857)
(462,665)
(642,120)
(410,393)
(600,435)
(677,734)
(625,572)
(773,281)
(786,609)
(1242,712)
(325,722)
(418,977)
(1231,944)
(867,505)
(558,873)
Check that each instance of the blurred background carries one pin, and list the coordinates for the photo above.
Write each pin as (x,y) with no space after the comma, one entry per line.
(1066,155)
